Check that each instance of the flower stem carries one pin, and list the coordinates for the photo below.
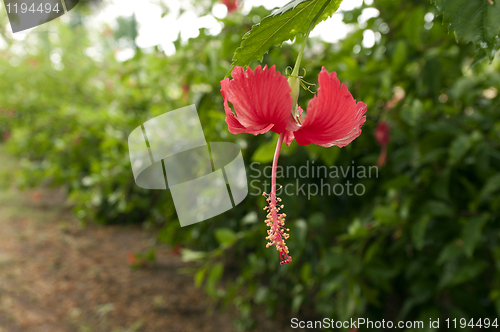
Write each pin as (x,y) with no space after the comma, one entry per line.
(274,171)
(296,68)
(294,80)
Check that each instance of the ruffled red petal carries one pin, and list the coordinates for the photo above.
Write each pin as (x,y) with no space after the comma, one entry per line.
(261,100)
(333,116)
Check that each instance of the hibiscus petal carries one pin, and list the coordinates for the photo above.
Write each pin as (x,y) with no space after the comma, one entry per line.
(261,100)
(333,116)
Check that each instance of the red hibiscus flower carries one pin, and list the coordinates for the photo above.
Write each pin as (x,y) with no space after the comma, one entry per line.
(264,100)
(383,137)
(231,5)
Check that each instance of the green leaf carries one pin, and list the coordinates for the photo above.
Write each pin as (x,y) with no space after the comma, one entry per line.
(285,23)
(472,232)
(418,231)
(386,215)
(492,185)
(440,188)
(451,251)
(261,294)
(475,21)
(413,27)
(305,273)
(400,56)
(199,277)
(355,231)
(225,236)
(399,182)
(415,299)
(328,156)
(214,277)
(297,302)
(264,153)
(189,255)
(437,209)
(455,275)
(150,255)
(371,251)
(459,148)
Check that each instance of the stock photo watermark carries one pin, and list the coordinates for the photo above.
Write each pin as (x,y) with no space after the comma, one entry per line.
(27,14)
(260,179)
(170,152)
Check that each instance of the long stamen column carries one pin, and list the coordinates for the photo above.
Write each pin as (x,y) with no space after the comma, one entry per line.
(275,220)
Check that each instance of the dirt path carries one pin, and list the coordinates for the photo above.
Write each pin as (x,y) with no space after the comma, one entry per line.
(57,276)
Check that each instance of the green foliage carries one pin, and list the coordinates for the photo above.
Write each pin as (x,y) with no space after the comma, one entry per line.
(127,28)
(225,236)
(475,21)
(283,24)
